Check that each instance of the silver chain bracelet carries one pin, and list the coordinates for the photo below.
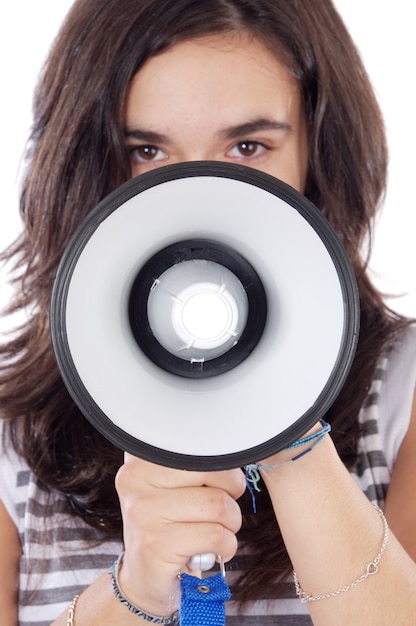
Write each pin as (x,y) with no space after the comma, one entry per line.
(71,612)
(371,568)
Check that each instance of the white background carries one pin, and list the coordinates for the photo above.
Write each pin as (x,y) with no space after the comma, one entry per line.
(384,33)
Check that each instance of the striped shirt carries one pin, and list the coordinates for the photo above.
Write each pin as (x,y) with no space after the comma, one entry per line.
(61,554)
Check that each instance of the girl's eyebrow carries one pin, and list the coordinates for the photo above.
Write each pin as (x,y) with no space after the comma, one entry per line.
(147,136)
(254,126)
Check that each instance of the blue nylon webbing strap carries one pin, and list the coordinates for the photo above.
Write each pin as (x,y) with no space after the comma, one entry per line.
(203,600)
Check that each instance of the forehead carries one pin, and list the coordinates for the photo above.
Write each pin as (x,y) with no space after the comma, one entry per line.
(211,74)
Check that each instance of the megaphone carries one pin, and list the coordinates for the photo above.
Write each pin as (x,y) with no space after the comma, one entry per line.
(204,316)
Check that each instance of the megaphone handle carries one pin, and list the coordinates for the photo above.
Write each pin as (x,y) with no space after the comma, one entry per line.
(202,562)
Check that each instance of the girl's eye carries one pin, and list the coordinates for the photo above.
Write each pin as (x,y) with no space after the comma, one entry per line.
(141,154)
(247,149)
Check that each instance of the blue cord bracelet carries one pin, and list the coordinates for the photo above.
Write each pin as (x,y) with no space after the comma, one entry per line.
(253,469)
(326,428)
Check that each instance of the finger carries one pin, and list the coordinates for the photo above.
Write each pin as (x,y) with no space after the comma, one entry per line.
(193,504)
(179,542)
(231,481)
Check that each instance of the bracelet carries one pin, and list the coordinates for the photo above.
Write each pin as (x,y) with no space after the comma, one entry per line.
(326,428)
(371,568)
(252,470)
(71,612)
(121,597)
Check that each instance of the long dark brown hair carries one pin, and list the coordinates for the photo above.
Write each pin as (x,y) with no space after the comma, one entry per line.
(76,156)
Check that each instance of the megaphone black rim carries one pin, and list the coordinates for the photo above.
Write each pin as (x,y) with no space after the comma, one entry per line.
(80,394)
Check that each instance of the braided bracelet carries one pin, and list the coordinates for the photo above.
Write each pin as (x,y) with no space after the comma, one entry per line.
(71,612)
(326,428)
(371,568)
(121,597)
(253,469)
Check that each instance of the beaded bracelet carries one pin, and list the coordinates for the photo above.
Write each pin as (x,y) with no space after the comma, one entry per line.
(121,597)
(371,568)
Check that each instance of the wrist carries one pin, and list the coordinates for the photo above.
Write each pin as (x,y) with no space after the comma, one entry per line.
(154,605)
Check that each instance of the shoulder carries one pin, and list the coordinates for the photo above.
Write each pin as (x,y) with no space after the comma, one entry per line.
(400,375)
(10,546)
(402,355)
(14,476)
(400,502)
(397,391)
